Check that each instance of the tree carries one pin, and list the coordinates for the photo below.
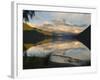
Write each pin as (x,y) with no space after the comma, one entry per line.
(27,14)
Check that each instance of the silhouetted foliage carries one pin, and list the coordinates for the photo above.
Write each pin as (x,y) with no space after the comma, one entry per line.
(27,13)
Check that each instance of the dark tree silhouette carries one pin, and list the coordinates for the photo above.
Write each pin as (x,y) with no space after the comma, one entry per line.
(27,13)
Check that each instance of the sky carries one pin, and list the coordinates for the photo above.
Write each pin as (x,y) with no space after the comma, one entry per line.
(72,18)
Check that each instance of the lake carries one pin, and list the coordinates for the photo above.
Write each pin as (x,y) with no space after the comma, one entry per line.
(55,52)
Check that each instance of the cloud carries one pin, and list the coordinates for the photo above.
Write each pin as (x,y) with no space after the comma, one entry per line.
(74,18)
(62,17)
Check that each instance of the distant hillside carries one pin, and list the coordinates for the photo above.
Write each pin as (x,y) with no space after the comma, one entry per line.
(48,29)
(33,35)
(85,37)
(27,27)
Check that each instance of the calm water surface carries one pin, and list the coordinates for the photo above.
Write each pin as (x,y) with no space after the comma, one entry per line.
(56,52)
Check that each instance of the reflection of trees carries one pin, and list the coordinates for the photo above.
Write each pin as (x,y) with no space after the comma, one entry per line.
(27,14)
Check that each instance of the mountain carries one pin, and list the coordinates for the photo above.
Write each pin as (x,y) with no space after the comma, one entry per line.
(33,35)
(85,37)
(49,29)
(28,26)
(37,33)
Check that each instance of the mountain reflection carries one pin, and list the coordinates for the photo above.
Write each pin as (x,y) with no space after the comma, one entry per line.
(56,52)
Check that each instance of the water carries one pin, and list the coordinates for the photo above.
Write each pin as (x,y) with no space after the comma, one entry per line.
(55,52)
